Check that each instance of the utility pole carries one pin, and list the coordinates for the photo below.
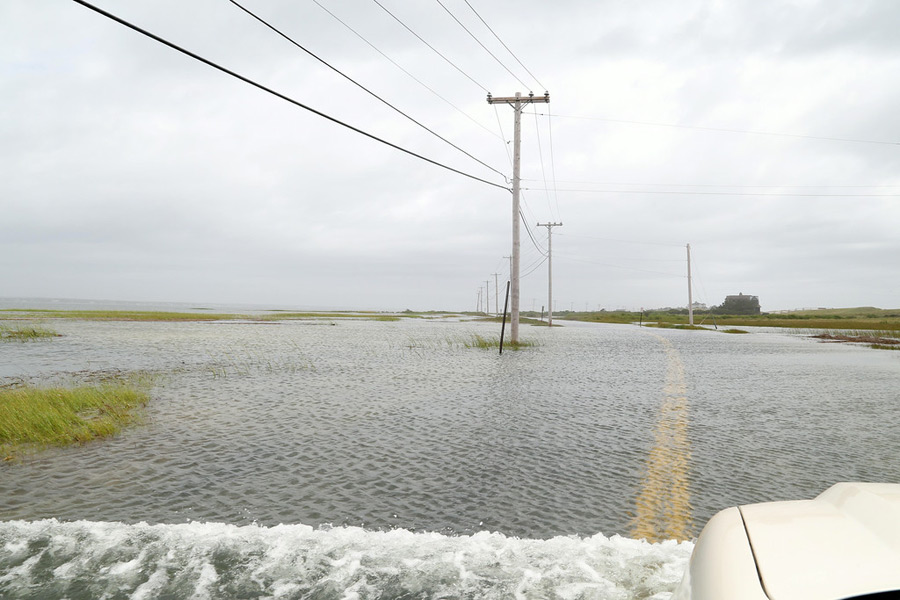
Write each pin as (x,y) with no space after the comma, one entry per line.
(518,103)
(690,291)
(487,296)
(496,294)
(550,227)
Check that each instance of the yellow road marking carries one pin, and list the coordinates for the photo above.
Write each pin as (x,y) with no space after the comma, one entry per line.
(663,506)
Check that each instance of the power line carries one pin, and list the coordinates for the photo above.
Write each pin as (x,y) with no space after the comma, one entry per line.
(535,267)
(516,77)
(717,185)
(553,162)
(591,237)
(537,129)
(450,62)
(684,193)
(530,234)
(362,87)
(410,75)
(503,136)
(591,262)
(278,94)
(505,46)
(729,130)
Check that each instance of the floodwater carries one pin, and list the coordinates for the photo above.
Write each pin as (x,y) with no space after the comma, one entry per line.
(363,459)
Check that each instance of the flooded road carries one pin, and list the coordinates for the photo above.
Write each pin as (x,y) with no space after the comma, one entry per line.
(357,434)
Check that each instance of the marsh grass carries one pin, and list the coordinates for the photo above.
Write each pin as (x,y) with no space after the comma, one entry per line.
(878,339)
(734,331)
(664,325)
(24,333)
(272,315)
(35,417)
(480,341)
(121,315)
(866,318)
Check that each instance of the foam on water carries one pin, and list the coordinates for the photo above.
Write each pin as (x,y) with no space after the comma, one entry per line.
(87,559)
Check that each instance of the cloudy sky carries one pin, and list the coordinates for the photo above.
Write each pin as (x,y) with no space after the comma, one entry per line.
(763,133)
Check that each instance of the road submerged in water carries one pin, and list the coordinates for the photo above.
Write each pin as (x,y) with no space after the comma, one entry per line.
(371,459)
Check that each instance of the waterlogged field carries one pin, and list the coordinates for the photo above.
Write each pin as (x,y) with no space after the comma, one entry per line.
(345,458)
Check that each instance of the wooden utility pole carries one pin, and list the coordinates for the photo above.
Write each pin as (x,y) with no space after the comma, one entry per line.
(496,293)
(549,227)
(690,291)
(518,103)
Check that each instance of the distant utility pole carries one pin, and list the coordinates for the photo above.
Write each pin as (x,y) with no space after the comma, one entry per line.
(478,303)
(518,103)
(550,227)
(487,296)
(496,294)
(690,291)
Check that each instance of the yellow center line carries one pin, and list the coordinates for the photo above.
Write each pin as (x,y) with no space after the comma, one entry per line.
(663,506)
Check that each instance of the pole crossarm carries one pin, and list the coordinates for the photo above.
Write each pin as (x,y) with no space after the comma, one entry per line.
(529,99)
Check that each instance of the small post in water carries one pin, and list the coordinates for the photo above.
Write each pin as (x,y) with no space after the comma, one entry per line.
(503,327)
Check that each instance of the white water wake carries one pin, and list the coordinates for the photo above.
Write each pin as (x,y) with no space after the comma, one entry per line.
(86,559)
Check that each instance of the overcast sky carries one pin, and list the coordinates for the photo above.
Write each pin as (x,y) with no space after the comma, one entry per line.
(132,172)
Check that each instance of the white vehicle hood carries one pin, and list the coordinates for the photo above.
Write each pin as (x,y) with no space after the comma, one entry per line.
(843,544)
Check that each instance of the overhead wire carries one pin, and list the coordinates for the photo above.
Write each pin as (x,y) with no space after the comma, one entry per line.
(362,87)
(503,137)
(619,266)
(472,35)
(534,268)
(642,243)
(408,74)
(692,193)
(732,130)
(435,50)
(530,234)
(505,46)
(278,94)
(715,185)
(553,162)
(537,128)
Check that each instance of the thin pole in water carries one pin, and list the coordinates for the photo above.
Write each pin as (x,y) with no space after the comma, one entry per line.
(503,327)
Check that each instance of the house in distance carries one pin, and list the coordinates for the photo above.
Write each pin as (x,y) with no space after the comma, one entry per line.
(739,305)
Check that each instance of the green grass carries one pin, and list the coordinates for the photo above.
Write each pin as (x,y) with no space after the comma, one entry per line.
(121,315)
(139,315)
(35,417)
(25,333)
(522,321)
(862,318)
(480,341)
(734,331)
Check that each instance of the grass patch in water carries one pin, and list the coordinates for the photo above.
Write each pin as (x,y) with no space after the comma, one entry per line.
(480,341)
(878,339)
(35,417)
(122,315)
(664,325)
(25,333)
(734,331)
(865,317)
